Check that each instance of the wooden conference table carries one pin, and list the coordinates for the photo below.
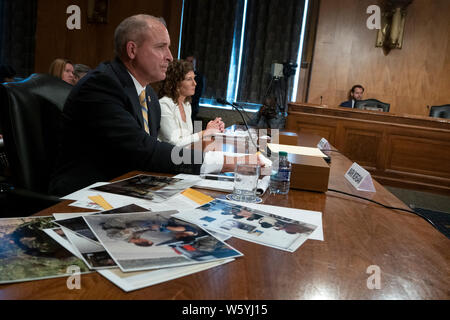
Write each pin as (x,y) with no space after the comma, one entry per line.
(413,257)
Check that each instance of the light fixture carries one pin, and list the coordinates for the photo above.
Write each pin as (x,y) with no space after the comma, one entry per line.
(393,18)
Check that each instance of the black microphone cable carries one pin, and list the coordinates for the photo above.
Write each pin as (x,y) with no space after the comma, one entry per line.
(386,206)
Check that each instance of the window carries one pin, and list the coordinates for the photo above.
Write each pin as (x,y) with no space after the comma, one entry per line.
(237,41)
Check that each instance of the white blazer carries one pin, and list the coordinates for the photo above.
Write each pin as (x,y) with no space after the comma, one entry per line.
(172,128)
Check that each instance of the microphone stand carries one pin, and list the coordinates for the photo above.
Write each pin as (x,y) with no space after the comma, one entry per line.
(223,101)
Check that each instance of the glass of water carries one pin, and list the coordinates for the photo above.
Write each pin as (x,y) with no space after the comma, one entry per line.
(245,183)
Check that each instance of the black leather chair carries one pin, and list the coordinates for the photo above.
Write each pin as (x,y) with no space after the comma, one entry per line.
(31,119)
(440,111)
(372,104)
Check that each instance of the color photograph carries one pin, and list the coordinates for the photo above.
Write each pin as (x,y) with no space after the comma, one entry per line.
(250,224)
(151,240)
(28,253)
(154,188)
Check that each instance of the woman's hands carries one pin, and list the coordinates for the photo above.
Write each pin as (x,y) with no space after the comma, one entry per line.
(214,126)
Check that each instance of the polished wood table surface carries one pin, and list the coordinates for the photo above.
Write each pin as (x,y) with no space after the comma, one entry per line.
(413,258)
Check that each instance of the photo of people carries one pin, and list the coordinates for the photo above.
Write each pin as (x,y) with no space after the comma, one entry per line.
(28,253)
(150,240)
(250,224)
(154,188)
(79,226)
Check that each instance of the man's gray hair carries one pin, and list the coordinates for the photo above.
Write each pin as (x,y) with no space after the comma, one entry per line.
(131,29)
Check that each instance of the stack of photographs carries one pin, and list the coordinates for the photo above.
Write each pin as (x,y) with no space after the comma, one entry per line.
(153,240)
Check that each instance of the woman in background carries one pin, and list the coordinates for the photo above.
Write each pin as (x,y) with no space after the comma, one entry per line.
(63,69)
(175,96)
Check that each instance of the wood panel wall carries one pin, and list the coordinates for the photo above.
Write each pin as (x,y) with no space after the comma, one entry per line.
(94,42)
(401,151)
(409,79)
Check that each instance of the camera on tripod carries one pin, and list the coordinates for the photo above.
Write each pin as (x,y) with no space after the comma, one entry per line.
(280,70)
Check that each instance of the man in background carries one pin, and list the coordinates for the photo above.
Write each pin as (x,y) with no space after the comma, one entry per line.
(356,93)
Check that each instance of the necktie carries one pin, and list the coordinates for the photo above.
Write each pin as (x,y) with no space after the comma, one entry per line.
(144,110)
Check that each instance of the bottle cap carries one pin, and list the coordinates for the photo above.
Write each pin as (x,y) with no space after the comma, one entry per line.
(282,153)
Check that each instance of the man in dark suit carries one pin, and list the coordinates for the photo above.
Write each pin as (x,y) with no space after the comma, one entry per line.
(105,133)
(355,93)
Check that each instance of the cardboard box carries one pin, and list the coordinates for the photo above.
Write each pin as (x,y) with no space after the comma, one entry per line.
(309,173)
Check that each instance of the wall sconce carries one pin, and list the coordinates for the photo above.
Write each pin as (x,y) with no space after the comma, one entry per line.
(97,11)
(393,18)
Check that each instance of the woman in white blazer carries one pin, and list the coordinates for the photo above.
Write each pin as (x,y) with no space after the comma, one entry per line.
(176,91)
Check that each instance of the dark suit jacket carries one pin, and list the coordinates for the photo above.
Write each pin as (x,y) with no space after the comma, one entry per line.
(347,104)
(103,133)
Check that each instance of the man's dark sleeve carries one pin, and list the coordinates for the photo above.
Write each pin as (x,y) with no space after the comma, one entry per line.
(106,122)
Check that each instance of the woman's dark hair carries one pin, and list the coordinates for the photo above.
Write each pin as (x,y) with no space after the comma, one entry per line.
(176,72)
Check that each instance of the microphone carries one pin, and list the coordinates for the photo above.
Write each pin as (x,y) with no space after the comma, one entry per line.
(225,102)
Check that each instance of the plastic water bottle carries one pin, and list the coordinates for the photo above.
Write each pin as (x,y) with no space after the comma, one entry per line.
(280,180)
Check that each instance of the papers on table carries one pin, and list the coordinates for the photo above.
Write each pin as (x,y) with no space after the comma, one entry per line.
(130,281)
(267,228)
(152,240)
(148,187)
(81,197)
(221,185)
(306,151)
(76,223)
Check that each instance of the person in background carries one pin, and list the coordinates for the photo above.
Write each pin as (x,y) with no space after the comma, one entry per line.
(7,73)
(201,83)
(79,71)
(63,69)
(355,93)
(175,95)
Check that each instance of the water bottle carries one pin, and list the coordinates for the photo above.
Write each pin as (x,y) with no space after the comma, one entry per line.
(280,180)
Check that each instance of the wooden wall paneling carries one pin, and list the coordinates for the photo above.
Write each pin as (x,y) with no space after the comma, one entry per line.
(94,42)
(420,155)
(321,126)
(402,151)
(409,79)
(362,144)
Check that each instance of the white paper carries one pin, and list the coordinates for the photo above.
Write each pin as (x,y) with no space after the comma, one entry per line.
(224,186)
(84,193)
(130,281)
(306,151)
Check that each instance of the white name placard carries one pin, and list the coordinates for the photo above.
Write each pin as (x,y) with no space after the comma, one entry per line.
(323,144)
(360,178)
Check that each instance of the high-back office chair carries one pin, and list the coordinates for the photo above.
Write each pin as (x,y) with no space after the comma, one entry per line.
(440,111)
(372,104)
(30,115)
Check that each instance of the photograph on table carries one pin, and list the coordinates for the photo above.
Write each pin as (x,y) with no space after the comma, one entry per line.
(79,226)
(274,230)
(154,188)
(28,253)
(151,240)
